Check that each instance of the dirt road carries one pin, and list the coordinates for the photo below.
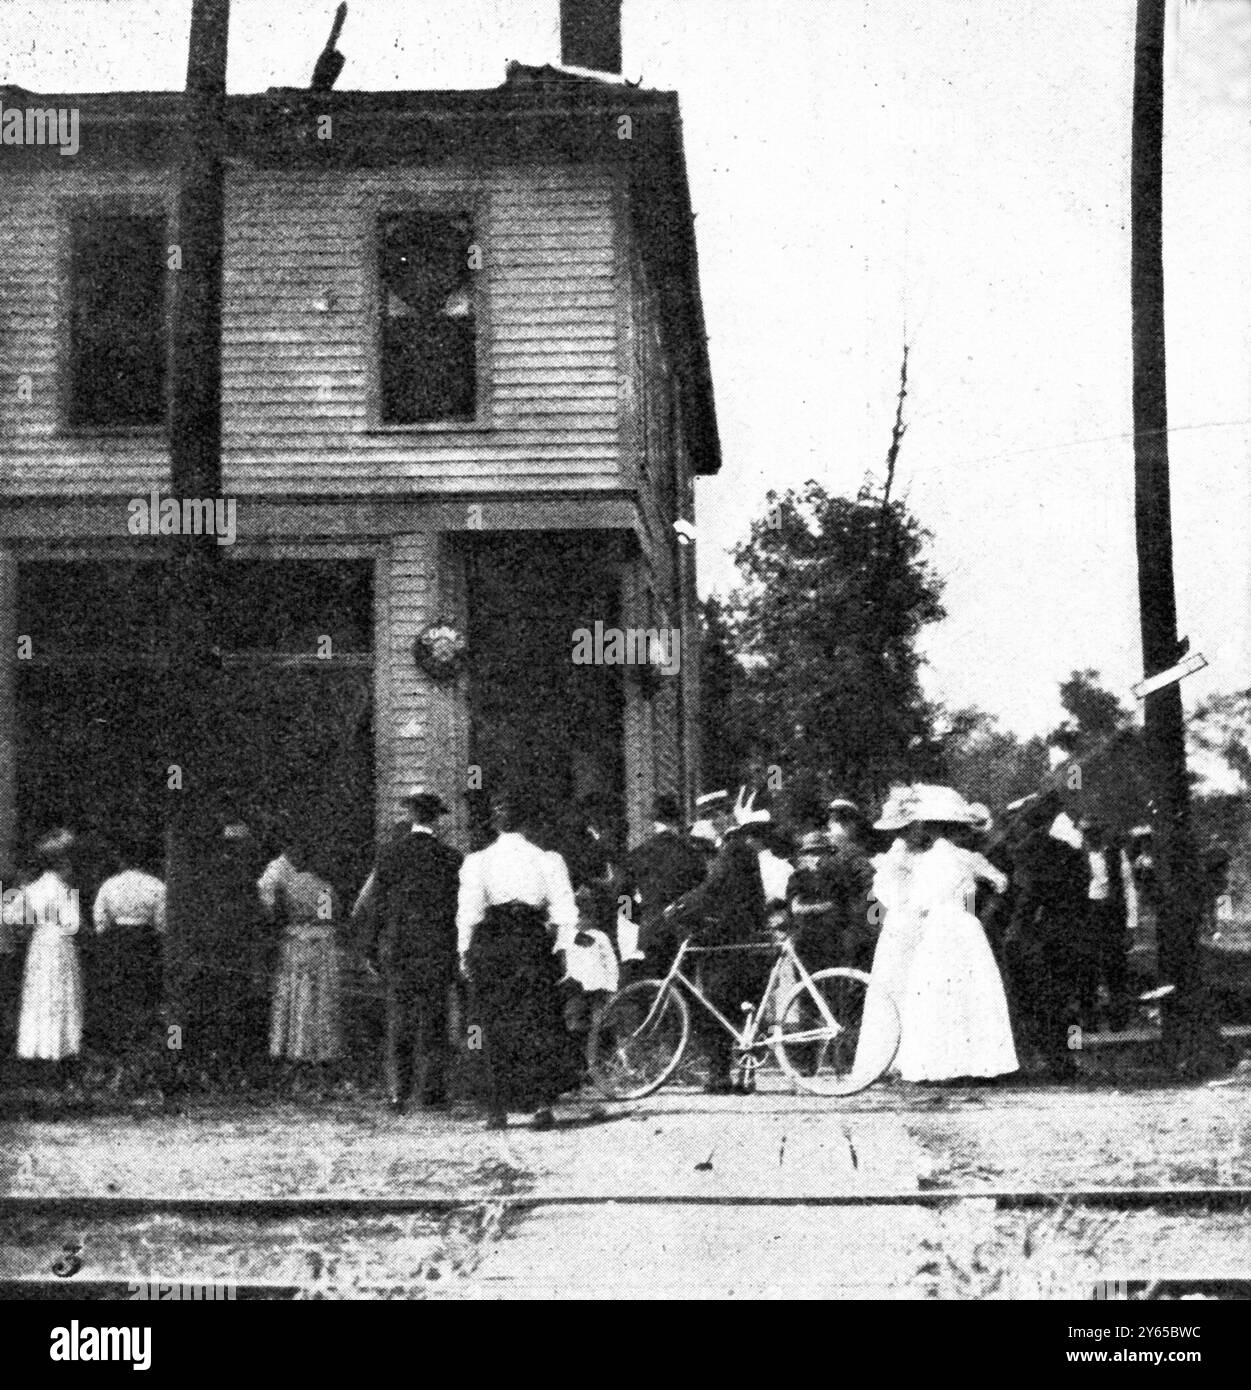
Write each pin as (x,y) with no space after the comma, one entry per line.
(898,1192)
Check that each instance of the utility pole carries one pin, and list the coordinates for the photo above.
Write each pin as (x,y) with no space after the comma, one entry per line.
(1181,887)
(193,681)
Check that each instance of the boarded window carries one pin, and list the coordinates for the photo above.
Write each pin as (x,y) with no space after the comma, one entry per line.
(117,321)
(428,369)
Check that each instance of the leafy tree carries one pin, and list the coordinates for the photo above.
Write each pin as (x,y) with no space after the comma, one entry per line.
(1221,725)
(988,763)
(1107,774)
(1094,715)
(835,592)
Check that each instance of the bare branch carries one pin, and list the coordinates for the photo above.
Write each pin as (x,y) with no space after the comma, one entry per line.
(898,430)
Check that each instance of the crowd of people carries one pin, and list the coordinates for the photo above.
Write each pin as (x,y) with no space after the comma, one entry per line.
(82,961)
(991,943)
(987,943)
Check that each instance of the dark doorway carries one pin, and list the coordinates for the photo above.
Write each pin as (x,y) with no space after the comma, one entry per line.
(537,719)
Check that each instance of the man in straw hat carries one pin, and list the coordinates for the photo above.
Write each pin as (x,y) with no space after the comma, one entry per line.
(407,912)
(712,819)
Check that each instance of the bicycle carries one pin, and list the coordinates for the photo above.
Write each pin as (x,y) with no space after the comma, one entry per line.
(642,1032)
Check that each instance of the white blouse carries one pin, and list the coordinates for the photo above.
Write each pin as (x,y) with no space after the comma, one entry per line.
(513,870)
(946,877)
(131,898)
(49,904)
(892,877)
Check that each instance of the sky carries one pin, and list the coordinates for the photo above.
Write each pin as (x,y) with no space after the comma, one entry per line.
(864,171)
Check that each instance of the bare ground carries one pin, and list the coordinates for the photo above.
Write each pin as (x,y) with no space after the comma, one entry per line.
(683,1194)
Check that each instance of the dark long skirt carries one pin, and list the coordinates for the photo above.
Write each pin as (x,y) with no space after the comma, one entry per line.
(11,963)
(126,984)
(531,1057)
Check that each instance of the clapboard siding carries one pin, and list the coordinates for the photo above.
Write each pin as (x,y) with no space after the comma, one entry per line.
(299,335)
(409,745)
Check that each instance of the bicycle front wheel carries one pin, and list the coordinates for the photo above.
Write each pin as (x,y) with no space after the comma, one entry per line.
(817,1040)
(638,1040)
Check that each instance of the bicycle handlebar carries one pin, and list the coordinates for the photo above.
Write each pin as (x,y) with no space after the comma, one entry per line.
(691,950)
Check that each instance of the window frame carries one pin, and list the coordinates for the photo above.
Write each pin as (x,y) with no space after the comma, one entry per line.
(452,202)
(69,212)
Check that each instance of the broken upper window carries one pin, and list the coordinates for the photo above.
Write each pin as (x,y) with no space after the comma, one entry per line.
(428,368)
(117,321)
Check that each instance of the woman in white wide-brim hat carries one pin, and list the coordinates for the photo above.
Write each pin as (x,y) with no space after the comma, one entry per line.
(891,905)
(954,1021)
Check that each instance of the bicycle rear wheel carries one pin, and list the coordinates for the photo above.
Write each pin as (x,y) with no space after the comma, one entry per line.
(638,1040)
(817,1040)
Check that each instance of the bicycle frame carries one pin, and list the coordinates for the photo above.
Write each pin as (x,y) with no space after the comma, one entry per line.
(745,1040)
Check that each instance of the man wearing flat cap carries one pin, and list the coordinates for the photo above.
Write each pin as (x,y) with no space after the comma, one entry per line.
(407,912)
(832,904)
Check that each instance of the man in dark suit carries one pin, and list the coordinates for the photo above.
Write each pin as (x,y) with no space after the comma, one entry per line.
(656,873)
(828,895)
(1049,882)
(408,910)
(233,952)
(727,909)
(856,928)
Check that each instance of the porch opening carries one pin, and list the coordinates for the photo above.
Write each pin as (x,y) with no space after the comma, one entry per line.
(537,718)
(296,693)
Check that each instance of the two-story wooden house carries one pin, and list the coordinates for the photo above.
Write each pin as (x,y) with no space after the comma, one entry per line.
(465,382)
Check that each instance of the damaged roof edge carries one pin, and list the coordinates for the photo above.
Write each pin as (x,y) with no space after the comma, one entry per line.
(537,92)
(524,86)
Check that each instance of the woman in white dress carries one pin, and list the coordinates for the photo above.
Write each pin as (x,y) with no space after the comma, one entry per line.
(954,1016)
(899,934)
(50,1028)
